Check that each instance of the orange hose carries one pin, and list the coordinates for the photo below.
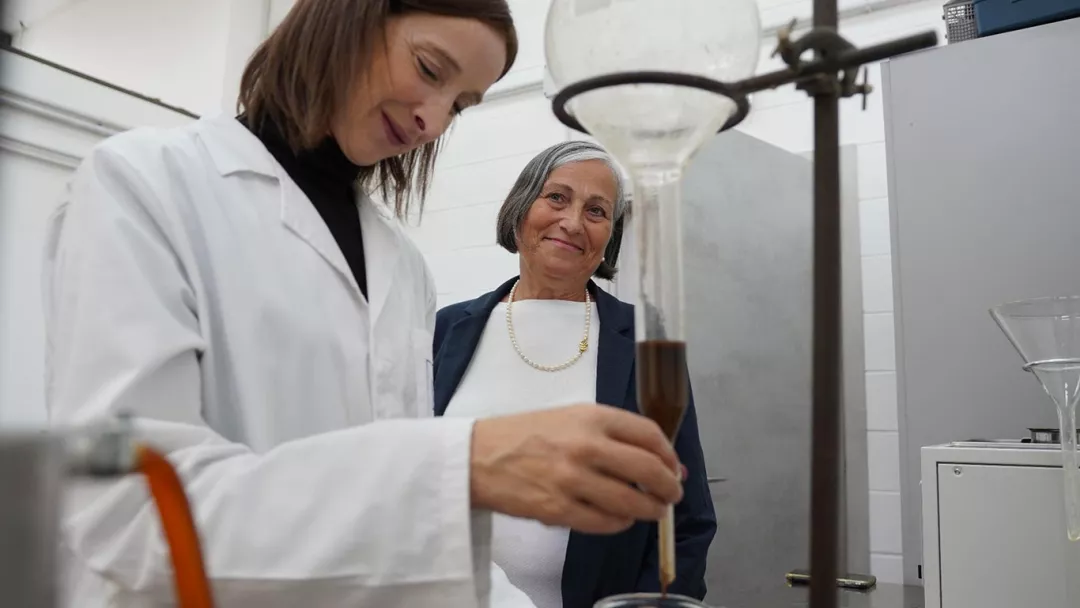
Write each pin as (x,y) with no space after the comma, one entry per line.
(189,573)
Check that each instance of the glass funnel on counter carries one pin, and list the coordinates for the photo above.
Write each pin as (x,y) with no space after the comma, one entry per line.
(1046,333)
(653,130)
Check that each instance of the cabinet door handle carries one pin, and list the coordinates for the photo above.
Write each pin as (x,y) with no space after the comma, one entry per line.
(715,479)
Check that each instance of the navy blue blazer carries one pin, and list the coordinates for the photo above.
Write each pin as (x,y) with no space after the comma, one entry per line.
(598,566)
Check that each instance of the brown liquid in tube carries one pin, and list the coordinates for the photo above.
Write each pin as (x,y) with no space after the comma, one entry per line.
(663,391)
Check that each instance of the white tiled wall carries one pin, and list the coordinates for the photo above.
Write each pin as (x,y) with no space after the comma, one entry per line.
(491,143)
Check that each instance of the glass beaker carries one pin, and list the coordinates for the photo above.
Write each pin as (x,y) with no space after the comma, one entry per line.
(649,600)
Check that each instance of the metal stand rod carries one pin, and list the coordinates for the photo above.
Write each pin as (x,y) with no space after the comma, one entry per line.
(827,343)
(827,334)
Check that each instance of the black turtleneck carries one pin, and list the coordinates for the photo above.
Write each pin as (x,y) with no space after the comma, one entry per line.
(328,178)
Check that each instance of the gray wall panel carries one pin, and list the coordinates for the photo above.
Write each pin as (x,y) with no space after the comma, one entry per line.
(984,148)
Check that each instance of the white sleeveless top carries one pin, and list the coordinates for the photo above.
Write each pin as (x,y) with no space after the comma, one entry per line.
(499,382)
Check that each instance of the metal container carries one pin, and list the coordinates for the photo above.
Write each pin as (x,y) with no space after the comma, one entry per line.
(31,474)
(1048,435)
(959,17)
(34,467)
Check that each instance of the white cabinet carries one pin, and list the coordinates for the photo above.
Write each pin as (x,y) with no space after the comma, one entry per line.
(994,526)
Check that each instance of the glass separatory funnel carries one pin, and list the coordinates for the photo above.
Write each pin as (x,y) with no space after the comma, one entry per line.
(1046,333)
(652,130)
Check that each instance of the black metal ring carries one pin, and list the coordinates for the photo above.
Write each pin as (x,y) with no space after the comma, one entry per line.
(558,105)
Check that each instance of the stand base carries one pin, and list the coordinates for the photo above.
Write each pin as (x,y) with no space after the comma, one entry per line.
(858,582)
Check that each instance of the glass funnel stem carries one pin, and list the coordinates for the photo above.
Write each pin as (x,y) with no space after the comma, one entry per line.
(1071,465)
(658,224)
(662,383)
(1060,378)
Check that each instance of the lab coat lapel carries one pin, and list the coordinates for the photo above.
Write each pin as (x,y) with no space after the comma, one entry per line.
(235,150)
(380,253)
(586,553)
(302,219)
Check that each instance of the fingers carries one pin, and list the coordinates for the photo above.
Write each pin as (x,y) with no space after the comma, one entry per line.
(635,466)
(556,505)
(641,432)
(589,519)
(616,498)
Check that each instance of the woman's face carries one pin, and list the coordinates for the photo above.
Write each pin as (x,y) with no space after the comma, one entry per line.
(567,228)
(430,69)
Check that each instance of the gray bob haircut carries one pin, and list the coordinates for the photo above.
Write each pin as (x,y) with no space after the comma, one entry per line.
(531,181)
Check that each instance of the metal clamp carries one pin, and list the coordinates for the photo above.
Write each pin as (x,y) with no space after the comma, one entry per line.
(826,43)
(104,449)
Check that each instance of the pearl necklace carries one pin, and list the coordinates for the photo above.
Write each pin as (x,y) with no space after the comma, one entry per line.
(582,346)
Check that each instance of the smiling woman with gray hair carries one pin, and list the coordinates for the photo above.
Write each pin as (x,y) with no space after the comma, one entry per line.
(534,177)
(551,337)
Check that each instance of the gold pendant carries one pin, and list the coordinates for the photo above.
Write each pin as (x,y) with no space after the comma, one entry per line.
(583,346)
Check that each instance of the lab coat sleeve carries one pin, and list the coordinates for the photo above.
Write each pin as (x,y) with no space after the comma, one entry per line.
(375,515)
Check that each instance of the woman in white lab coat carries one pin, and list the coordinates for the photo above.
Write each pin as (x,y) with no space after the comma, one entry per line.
(269,327)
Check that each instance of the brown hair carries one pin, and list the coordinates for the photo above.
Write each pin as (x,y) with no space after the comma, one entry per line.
(301,74)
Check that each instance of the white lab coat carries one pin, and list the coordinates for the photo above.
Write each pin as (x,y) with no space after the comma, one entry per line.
(189,281)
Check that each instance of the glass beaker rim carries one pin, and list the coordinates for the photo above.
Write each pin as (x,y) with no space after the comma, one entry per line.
(671,599)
